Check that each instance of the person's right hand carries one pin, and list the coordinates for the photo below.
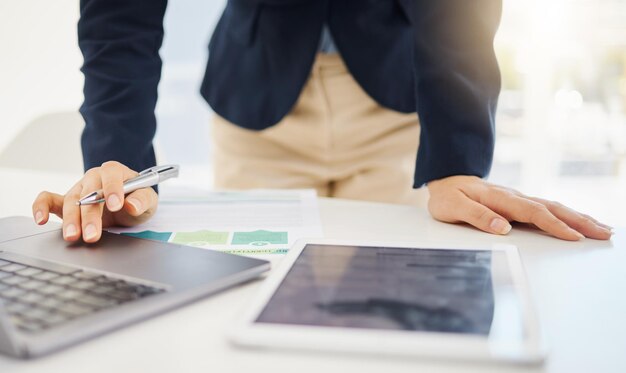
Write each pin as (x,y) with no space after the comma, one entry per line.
(88,220)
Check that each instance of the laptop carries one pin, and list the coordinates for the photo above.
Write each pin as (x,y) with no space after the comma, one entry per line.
(54,294)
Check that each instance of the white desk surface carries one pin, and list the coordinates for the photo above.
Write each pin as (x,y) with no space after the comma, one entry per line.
(579,290)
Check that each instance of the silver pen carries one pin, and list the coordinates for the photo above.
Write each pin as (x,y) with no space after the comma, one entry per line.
(146,178)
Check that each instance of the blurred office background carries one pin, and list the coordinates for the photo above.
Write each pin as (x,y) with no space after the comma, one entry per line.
(561,129)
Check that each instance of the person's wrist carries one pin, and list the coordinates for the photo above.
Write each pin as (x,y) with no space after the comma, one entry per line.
(467,178)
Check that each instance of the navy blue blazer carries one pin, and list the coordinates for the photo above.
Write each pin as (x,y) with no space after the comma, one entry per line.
(431,56)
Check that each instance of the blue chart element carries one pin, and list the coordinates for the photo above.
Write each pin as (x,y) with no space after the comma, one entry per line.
(151,235)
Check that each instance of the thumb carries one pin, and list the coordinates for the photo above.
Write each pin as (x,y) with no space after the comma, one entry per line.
(141,201)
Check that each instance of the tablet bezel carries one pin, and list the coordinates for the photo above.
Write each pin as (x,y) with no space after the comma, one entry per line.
(247,332)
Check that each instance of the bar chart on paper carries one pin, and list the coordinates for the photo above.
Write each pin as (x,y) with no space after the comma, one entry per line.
(256,223)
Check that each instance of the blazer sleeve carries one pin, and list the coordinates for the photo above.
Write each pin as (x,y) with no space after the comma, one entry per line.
(120,41)
(457,85)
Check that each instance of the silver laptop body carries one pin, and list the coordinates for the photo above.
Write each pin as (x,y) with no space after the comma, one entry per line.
(119,280)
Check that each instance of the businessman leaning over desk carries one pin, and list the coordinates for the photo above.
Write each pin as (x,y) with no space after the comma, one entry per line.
(310,93)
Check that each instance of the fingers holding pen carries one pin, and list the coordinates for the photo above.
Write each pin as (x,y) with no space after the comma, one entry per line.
(87,220)
(140,201)
(118,209)
(113,175)
(139,206)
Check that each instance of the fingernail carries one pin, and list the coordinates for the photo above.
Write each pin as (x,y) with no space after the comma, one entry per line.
(604,226)
(500,226)
(135,203)
(608,231)
(90,231)
(70,231)
(579,235)
(114,202)
(38,217)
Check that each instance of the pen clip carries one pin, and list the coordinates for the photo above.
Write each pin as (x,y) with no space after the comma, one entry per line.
(164,172)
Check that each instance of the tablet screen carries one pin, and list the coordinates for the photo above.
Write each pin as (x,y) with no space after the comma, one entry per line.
(432,290)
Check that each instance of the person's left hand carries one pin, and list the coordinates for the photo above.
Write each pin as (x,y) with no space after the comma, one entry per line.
(491,208)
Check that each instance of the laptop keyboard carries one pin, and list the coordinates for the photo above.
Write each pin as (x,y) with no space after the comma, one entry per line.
(43,296)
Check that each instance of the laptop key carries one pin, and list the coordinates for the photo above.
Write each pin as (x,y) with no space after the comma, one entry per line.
(51,302)
(53,319)
(82,285)
(35,314)
(32,284)
(87,275)
(102,289)
(105,281)
(50,289)
(32,297)
(28,272)
(122,296)
(14,280)
(73,309)
(15,307)
(26,324)
(4,263)
(96,302)
(5,275)
(12,293)
(13,267)
(46,276)
(63,280)
(69,294)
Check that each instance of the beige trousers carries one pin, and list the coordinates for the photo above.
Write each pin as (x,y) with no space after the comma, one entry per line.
(336,139)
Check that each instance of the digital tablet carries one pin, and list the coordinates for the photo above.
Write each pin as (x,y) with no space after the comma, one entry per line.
(396,299)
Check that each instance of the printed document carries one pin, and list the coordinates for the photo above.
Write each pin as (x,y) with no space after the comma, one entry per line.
(256,223)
